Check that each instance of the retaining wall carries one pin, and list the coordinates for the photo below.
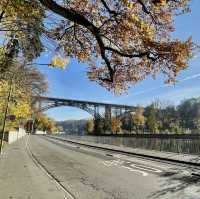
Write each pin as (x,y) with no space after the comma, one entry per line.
(13,136)
(40,132)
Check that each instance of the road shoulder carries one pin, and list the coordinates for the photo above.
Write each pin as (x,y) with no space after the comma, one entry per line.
(21,178)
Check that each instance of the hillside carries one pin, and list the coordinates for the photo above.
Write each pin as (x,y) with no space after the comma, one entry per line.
(72,126)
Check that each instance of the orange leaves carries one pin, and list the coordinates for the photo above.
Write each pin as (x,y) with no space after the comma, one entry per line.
(82,55)
(123,41)
(116,125)
(182,51)
(166,16)
(45,123)
(173,57)
(160,3)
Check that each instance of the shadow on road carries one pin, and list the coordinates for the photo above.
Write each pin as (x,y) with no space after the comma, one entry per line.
(177,182)
(196,159)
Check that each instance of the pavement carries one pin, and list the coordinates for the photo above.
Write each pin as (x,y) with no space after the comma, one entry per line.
(22,178)
(49,168)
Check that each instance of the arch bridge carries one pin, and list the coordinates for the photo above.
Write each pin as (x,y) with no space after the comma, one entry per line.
(98,110)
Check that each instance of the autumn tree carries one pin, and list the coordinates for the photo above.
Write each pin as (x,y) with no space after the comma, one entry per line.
(123,41)
(152,119)
(18,104)
(116,125)
(21,82)
(44,123)
(90,126)
(25,78)
(21,27)
(99,125)
(138,118)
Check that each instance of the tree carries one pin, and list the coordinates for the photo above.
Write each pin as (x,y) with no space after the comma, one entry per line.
(98,126)
(189,113)
(17,104)
(116,125)
(22,83)
(138,118)
(90,126)
(44,123)
(21,23)
(170,119)
(196,122)
(152,120)
(123,41)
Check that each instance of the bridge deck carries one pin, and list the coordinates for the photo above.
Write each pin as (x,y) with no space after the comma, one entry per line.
(86,102)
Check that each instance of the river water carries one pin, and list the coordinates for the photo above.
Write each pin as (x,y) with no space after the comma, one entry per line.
(188,146)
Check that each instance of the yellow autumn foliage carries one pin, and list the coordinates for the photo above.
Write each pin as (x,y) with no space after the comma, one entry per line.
(45,123)
(116,125)
(59,62)
(90,126)
(21,110)
(19,104)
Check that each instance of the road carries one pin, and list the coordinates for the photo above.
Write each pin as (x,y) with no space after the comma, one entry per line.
(94,174)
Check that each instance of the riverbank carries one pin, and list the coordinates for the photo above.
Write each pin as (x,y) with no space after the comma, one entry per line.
(187,146)
(148,135)
(189,159)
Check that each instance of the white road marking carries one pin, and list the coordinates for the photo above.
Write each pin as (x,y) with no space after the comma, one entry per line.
(138,171)
(120,164)
(130,159)
(119,156)
(146,168)
(113,163)
(139,168)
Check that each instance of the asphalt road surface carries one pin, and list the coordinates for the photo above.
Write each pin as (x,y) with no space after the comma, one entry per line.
(94,174)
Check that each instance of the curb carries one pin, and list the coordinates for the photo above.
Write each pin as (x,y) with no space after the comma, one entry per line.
(128,152)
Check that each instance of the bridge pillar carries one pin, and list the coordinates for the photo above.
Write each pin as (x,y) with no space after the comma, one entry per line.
(96,112)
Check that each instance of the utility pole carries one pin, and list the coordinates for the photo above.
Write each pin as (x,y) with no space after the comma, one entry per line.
(5,114)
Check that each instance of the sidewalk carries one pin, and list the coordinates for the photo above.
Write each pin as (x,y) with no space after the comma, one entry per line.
(193,160)
(21,178)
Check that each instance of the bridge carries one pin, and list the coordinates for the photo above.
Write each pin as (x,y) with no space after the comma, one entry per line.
(98,110)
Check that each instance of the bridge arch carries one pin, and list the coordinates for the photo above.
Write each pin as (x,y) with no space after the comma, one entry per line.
(93,111)
(93,108)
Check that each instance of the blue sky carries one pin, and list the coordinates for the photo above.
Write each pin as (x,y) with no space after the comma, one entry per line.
(72,82)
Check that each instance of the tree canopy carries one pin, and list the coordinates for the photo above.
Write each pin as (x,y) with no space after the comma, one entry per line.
(22,82)
(122,41)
